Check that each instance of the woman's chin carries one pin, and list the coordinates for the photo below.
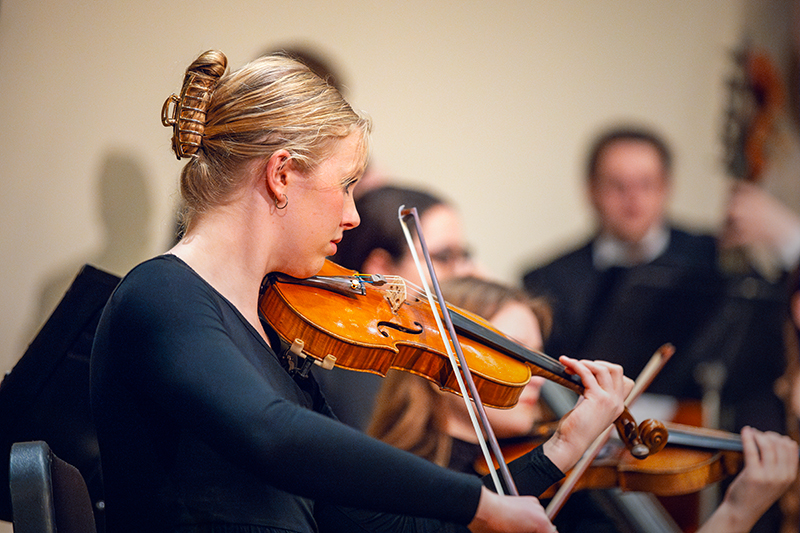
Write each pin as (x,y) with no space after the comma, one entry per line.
(304,271)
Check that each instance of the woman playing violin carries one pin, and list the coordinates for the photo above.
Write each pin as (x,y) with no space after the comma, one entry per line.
(201,428)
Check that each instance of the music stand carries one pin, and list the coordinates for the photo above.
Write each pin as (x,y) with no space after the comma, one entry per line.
(46,395)
(709,317)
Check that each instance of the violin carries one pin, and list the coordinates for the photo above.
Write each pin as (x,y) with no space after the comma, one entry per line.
(756,99)
(371,323)
(755,136)
(693,458)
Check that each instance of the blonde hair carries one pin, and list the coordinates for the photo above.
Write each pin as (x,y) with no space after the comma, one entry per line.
(223,121)
(411,412)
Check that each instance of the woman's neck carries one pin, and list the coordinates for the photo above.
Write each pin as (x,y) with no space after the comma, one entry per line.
(230,255)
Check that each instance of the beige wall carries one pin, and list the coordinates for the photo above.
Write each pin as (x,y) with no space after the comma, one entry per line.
(491,103)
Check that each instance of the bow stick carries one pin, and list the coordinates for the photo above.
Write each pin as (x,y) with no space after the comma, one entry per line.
(405,214)
(646,376)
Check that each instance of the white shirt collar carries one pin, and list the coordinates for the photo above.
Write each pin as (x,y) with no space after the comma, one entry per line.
(608,251)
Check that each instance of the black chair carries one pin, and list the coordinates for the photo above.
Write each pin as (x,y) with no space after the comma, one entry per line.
(45,397)
(47,493)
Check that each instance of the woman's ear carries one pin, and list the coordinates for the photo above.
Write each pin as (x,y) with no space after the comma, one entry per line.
(276,174)
(379,261)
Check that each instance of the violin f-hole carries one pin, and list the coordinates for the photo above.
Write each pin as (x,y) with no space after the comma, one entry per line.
(398,327)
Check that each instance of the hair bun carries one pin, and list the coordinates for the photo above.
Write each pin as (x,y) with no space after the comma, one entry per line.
(188,117)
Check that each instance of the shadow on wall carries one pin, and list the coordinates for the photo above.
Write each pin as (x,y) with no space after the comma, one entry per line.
(125,210)
(51,381)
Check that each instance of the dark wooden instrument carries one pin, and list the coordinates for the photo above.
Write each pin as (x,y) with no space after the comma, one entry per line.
(693,458)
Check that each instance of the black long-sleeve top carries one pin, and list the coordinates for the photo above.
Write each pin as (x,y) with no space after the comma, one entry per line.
(201,428)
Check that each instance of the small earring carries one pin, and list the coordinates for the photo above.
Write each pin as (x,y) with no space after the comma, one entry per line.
(285,203)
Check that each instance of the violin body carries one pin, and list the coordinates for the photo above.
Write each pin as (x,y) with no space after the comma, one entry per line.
(365,332)
(673,471)
(693,458)
(369,323)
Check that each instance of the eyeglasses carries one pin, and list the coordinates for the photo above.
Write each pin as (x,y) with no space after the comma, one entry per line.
(451,256)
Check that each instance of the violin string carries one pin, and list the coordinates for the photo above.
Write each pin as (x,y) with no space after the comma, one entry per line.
(417,292)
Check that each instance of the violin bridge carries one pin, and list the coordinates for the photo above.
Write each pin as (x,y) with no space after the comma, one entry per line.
(395,293)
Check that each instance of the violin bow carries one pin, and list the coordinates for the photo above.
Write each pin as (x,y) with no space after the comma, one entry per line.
(463,376)
(646,376)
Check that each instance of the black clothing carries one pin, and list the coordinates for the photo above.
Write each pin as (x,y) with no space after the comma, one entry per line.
(350,394)
(533,474)
(579,514)
(623,315)
(601,314)
(201,429)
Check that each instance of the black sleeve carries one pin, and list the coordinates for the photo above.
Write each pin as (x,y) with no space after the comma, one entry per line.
(176,349)
(336,519)
(533,473)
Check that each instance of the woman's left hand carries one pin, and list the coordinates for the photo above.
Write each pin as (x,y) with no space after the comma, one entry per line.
(605,390)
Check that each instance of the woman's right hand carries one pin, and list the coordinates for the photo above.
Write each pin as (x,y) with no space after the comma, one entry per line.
(509,514)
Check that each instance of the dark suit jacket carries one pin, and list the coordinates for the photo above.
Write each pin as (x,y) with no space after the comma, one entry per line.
(624,314)
(579,293)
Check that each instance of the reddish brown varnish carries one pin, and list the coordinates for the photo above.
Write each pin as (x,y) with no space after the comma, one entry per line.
(336,313)
(675,470)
